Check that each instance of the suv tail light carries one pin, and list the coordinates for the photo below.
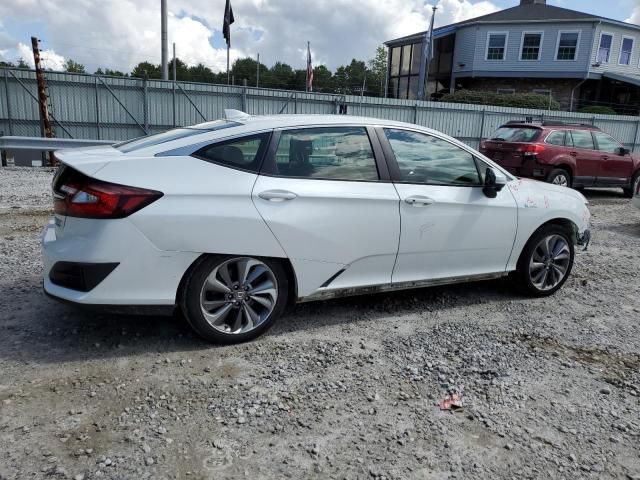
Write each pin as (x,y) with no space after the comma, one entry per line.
(531,149)
(77,195)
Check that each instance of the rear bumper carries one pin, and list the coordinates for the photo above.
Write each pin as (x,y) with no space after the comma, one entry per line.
(143,275)
(529,168)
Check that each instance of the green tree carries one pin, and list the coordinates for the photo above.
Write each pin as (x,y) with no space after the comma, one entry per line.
(280,75)
(6,64)
(378,69)
(202,73)
(322,79)
(148,69)
(22,64)
(72,66)
(244,68)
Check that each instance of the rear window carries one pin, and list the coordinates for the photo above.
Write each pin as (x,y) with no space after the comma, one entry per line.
(516,134)
(170,135)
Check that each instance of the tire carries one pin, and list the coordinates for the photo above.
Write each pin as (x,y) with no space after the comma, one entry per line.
(559,176)
(629,192)
(528,277)
(217,299)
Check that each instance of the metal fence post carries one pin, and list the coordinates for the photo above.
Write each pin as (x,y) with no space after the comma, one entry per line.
(145,103)
(6,91)
(295,103)
(481,135)
(97,110)
(415,113)
(244,95)
(174,103)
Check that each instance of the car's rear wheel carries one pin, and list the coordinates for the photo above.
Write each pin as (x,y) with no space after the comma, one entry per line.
(560,177)
(546,261)
(630,192)
(228,299)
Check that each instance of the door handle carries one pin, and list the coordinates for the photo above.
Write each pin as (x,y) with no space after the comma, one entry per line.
(419,201)
(277,195)
(573,154)
(605,157)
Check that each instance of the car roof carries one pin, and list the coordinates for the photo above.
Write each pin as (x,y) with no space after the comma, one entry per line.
(551,125)
(294,120)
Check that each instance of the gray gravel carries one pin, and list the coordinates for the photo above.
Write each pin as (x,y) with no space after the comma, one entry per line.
(340,389)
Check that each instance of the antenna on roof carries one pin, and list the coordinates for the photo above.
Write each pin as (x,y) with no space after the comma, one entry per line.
(235,115)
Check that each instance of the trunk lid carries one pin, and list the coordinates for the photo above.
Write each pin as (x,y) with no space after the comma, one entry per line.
(506,146)
(88,160)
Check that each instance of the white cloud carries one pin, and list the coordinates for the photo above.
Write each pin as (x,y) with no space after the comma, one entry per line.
(50,59)
(635,16)
(121,33)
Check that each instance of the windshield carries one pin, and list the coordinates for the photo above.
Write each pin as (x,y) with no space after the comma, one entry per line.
(175,134)
(516,134)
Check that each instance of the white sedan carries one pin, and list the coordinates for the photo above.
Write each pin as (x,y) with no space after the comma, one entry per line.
(231,221)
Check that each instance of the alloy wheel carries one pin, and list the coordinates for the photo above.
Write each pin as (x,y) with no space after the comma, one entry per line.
(239,295)
(561,180)
(549,262)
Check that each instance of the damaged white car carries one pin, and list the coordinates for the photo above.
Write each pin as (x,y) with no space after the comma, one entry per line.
(230,221)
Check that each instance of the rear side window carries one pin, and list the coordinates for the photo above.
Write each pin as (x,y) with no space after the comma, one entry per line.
(243,153)
(606,143)
(516,134)
(331,153)
(556,138)
(582,139)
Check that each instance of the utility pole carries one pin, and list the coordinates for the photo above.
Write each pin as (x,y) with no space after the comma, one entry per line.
(47,128)
(163,39)
(175,78)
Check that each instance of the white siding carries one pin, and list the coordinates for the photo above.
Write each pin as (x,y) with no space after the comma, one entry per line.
(618,32)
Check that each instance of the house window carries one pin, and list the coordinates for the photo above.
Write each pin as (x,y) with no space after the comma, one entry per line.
(606,40)
(404,71)
(626,50)
(496,45)
(567,45)
(531,43)
(542,91)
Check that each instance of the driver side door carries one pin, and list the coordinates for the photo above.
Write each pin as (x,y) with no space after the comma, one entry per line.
(449,227)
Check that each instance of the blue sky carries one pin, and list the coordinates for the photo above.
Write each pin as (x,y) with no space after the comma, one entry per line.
(118,34)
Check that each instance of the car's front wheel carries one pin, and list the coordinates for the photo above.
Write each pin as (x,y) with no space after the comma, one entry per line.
(559,177)
(635,181)
(230,299)
(546,261)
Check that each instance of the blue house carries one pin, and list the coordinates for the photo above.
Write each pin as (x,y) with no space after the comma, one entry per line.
(577,58)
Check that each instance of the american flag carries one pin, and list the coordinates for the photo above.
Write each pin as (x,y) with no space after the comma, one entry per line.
(309,70)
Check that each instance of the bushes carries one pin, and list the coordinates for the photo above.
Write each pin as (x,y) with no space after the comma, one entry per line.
(516,100)
(598,109)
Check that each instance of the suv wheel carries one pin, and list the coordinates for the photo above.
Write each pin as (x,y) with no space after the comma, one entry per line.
(230,299)
(546,261)
(635,180)
(559,177)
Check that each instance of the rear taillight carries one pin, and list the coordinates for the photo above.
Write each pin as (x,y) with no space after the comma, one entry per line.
(531,149)
(76,195)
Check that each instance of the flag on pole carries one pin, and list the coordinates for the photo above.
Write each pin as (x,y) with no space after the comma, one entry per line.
(309,70)
(228,20)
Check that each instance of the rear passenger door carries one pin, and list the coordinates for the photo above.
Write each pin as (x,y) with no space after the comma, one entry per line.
(326,195)
(614,169)
(582,148)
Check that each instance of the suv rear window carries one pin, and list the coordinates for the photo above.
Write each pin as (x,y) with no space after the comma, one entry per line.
(516,134)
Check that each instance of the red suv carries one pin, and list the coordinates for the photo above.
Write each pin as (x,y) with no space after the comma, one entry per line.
(572,155)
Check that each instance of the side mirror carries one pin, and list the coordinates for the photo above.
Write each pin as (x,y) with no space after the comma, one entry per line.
(494,181)
(622,151)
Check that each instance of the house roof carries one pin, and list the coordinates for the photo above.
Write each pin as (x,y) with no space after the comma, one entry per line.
(536,12)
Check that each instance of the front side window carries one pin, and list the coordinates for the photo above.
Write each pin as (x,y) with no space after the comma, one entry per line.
(582,139)
(567,45)
(606,143)
(243,153)
(604,51)
(531,43)
(329,153)
(626,51)
(556,138)
(427,159)
(496,46)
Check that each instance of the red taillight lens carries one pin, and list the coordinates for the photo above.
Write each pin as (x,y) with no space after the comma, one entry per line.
(76,195)
(532,149)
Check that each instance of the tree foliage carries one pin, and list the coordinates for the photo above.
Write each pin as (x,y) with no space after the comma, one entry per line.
(72,66)
(516,100)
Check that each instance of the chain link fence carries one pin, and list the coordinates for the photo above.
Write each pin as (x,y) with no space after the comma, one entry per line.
(119,108)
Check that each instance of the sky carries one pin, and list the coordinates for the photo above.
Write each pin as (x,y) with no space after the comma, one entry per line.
(118,34)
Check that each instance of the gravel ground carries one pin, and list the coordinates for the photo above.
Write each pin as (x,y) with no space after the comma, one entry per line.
(339,389)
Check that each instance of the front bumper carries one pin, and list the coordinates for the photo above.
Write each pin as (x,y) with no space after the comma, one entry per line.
(144,275)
